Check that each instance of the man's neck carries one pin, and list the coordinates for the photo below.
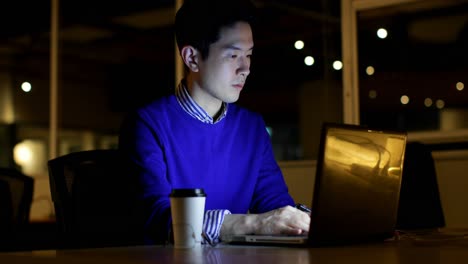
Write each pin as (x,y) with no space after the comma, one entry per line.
(212,106)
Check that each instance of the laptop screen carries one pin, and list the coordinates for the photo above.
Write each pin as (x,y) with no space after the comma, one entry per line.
(357,183)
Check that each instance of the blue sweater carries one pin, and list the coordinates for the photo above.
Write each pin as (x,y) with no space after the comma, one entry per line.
(232,160)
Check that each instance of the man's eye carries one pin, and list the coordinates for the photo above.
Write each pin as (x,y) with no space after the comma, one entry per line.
(233,56)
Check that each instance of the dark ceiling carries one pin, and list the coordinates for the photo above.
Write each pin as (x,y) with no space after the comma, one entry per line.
(143,26)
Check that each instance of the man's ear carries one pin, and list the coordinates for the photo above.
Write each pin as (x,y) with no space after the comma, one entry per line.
(190,57)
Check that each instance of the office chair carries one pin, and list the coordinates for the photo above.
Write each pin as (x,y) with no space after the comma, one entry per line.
(16,193)
(420,206)
(92,197)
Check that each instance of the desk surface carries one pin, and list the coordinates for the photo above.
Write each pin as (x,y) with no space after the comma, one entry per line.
(389,253)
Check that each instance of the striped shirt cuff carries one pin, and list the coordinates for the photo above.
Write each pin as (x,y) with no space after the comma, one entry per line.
(212,225)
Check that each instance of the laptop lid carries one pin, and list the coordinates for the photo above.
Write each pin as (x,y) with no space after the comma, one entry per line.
(356,188)
(357,184)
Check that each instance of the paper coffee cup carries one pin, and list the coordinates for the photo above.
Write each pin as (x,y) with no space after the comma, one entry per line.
(187,210)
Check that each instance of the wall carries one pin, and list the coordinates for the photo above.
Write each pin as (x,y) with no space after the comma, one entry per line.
(300,178)
(452,168)
(320,101)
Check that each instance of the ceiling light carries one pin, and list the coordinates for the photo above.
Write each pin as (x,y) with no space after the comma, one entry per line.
(404,99)
(440,104)
(382,33)
(337,65)
(299,44)
(428,102)
(309,60)
(26,87)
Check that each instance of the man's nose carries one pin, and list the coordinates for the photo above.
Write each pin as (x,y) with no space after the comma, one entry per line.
(244,67)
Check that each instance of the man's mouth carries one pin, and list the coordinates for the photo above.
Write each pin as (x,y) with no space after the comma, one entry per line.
(239,85)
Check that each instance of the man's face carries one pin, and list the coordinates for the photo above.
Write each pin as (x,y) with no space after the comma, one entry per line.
(224,72)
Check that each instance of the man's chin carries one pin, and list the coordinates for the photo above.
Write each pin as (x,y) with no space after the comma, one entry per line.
(231,99)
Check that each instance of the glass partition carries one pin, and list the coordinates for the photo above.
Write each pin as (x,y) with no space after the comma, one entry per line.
(413,66)
(407,66)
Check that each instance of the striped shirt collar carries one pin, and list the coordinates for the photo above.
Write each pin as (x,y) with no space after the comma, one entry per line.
(193,109)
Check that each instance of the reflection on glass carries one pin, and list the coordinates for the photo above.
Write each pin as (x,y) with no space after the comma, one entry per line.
(365,157)
(423,55)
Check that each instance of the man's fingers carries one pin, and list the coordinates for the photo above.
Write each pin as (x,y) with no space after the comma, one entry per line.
(291,231)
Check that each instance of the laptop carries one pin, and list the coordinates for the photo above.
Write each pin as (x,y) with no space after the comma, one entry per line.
(356,190)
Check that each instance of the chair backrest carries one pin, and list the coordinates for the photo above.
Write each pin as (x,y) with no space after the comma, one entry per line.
(16,193)
(420,206)
(92,196)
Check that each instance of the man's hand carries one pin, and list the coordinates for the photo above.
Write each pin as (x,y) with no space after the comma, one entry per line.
(285,220)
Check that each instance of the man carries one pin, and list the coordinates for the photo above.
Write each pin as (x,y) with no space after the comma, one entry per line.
(198,138)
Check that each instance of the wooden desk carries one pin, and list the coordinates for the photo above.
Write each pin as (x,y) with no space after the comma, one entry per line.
(388,253)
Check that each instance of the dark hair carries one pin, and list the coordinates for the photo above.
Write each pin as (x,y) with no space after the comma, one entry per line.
(199,22)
